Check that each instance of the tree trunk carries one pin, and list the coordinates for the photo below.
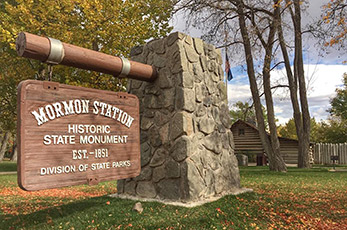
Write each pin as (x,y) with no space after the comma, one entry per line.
(303,158)
(274,160)
(4,145)
(14,152)
(293,87)
(275,144)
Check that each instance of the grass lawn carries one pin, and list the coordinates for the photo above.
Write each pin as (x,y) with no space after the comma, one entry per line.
(8,166)
(300,199)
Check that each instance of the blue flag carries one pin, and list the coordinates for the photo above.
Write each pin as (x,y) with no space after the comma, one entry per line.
(227,68)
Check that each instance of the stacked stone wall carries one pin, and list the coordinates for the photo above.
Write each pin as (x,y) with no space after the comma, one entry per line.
(186,144)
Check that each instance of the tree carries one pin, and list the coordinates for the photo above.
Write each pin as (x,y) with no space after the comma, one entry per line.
(333,25)
(334,131)
(246,112)
(288,130)
(296,81)
(243,111)
(112,27)
(339,102)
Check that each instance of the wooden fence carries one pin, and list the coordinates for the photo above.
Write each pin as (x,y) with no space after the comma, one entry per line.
(323,153)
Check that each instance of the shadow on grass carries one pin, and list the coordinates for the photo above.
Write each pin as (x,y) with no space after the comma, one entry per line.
(110,213)
(46,216)
(8,166)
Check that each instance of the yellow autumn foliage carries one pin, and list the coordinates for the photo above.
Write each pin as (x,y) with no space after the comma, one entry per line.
(112,27)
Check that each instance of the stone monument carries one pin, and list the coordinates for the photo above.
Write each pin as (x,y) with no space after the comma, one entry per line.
(187,148)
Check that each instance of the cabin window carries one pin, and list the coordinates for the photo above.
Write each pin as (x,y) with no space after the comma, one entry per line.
(241,132)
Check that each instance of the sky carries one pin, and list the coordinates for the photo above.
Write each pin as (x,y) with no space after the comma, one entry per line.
(323,74)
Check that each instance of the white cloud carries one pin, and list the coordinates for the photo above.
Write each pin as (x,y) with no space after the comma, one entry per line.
(278,109)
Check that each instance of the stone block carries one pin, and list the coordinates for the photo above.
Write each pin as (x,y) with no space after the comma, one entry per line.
(192,56)
(242,159)
(220,181)
(168,99)
(152,89)
(164,80)
(135,84)
(207,125)
(225,116)
(169,189)
(199,96)
(146,189)
(146,123)
(158,46)
(222,90)
(148,113)
(143,136)
(204,63)
(181,148)
(199,46)
(120,186)
(231,140)
(212,142)
(165,134)
(209,160)
(161,118)
(178,63)
(187,80)
(129,187)
(151,102)
(196,183)
(137,50)
(215,114)
(159,61)
(146,174)
(172,38)
(189,40)
(158,158)
(207,101)
(154,137)
(209,181)
(185,99)
(200,110)
(173,169)
(146,154)
(159,173)
(219,56)
(181,124)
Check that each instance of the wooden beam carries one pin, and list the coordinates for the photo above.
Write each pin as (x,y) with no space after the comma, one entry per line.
(37,47)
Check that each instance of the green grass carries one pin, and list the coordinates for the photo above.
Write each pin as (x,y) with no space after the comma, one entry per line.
(299,199)
(8,166)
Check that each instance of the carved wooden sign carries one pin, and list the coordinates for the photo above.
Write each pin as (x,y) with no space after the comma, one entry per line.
(70,135)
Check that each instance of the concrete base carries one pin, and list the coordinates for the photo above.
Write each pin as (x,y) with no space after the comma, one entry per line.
(193,204)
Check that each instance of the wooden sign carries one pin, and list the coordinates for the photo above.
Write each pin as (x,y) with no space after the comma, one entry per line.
(70,135)
(334,158)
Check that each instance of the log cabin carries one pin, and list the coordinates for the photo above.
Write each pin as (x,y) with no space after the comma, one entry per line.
(247,141)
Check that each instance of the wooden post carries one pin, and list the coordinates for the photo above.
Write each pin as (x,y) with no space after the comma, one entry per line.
(37,47)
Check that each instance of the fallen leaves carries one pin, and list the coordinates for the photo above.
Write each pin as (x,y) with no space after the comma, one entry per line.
(15,201)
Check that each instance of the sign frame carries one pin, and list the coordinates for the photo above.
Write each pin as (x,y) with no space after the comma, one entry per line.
(51,147)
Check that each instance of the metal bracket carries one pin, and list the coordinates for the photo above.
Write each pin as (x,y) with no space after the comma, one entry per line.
(125,67)
(51,85)
(56,54)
